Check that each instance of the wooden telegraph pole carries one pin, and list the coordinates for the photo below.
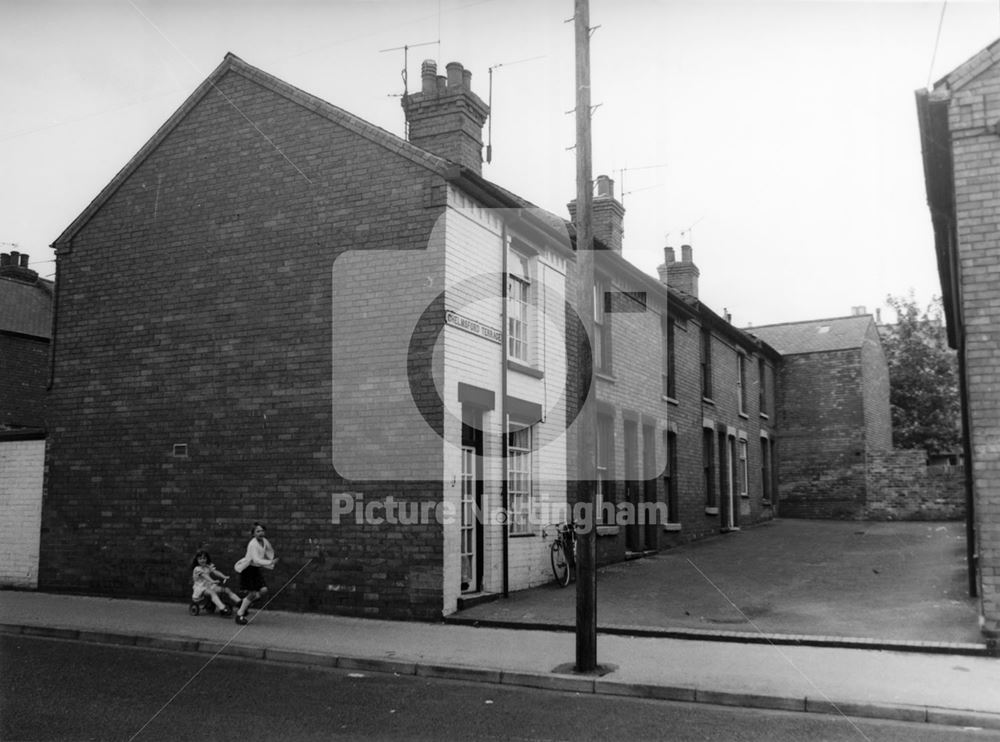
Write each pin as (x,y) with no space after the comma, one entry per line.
(586,421)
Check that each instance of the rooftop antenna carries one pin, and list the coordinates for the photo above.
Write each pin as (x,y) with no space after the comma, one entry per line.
(404,74)
(489,102)
(621,180)
(688,230)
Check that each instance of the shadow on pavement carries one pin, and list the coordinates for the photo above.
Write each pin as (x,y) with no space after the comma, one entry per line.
(896,581)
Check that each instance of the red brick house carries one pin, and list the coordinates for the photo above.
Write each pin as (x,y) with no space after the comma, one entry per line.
(25,332)
(961,157)
(833,411)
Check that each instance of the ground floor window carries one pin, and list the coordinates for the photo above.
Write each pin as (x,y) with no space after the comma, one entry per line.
(519,485)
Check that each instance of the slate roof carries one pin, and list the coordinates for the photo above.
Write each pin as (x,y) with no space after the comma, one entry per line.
(815,336)
(26,308)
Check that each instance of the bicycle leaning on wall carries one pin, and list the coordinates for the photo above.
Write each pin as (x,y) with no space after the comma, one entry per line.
(563,552)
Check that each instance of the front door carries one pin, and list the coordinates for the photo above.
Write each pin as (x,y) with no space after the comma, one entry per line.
(650,512)
(471,527)
(633,531)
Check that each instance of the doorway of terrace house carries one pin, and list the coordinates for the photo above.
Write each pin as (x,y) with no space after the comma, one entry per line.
(471,527)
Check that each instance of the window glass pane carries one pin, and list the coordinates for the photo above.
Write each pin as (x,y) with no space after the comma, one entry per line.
(519,487)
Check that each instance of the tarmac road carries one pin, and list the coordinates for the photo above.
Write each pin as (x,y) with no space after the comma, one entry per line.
(52,689)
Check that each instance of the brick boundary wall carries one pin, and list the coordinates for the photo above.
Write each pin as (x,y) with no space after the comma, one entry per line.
(902,487)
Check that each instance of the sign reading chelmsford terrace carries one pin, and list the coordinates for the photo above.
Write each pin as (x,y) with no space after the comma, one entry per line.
(469,325)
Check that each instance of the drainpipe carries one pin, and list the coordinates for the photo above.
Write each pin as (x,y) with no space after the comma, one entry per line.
(504,422)
(53,325)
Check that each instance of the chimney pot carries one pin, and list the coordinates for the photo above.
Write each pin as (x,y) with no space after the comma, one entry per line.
(605,187)
(467,80)
(686,254)
(669,256)
(5,258)
(24,260)
(455,75)
(428,76)
(442,83)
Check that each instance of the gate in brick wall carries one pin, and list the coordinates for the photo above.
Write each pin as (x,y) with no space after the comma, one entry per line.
(22,466)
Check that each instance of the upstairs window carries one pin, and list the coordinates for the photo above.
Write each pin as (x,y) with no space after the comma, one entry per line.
(741,383)
(602,328)
(669,367)
(706,363)
(762,385)
(518,307)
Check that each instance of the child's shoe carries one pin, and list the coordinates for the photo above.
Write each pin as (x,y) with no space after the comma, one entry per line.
(241,620)
(227,611)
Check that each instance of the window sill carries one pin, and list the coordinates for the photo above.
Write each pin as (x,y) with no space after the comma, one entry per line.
(764,416)
(711,511)
(526,370)
(522,535)
(670,400)
(708,400)
(673,527)
(745,495)
(608,530)
(605,376)
(744,415)
(766,503)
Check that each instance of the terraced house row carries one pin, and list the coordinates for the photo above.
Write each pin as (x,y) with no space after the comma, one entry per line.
(279,312)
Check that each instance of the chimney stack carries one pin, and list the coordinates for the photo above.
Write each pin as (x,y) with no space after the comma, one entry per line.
(446,118)
(608,214)
(15,265)
(682,275)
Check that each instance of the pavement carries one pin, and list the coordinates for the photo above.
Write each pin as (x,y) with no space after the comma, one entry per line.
(949,683)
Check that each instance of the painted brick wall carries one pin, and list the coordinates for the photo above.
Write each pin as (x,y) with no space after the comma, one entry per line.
(21,473)
(976,154)
(24,374)
(195,307)
(902,487)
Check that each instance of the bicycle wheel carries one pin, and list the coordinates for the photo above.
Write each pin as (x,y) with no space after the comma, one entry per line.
(560,565)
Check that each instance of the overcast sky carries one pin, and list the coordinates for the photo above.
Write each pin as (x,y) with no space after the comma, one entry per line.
(779,139)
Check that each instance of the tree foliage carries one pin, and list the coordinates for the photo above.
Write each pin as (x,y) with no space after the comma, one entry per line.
(923,378)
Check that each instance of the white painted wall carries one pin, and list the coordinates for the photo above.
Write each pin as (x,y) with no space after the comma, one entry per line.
(22,465)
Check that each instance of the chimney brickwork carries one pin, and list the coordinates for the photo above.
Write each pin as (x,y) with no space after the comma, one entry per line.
(681,275)
(446,117)
(15,265)
(608,214)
